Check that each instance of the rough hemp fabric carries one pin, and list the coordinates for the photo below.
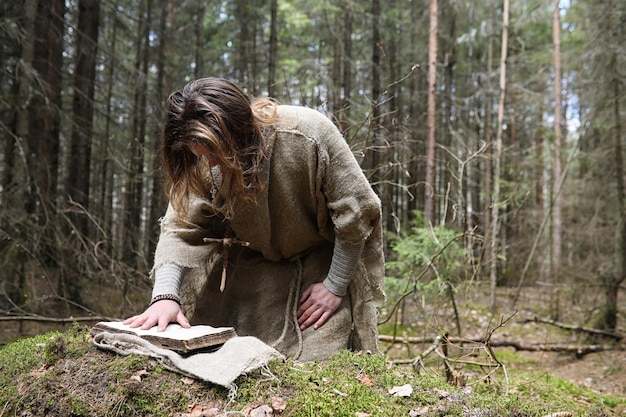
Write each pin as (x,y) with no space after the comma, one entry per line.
(236,357)
(315,193)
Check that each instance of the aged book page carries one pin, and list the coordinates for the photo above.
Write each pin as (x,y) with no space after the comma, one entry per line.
(174,337)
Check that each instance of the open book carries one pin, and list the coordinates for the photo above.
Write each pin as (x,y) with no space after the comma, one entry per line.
(174,337)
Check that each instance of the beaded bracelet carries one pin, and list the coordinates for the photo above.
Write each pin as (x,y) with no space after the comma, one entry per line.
(165,297)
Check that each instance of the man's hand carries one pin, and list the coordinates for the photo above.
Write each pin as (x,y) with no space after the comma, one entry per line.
(317,304)
(161,313)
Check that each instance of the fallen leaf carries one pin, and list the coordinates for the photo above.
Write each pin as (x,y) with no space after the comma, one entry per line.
(466,390)
(262,411)
(419,412)
(137,375)
(364,379)
(42,371)
(278,404)
(187,381)
(441,393)
(198,410)
(402,391)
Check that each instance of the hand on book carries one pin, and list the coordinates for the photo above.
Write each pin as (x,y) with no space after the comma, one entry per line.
(161,314)
(317,304)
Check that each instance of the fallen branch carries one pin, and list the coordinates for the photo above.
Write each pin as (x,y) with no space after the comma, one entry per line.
(575,328)
(579,350)
(43,319)
(418,360)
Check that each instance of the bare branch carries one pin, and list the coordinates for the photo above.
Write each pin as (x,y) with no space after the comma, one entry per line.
(575,328)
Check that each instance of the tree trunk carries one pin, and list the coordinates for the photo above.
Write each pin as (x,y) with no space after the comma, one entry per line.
(133,196)
(557,203)
(415,114)
(608,318)
(540,165)
(495,200)
(347,66)
(77,185)
(23,88)
(198,70)
(486,169)
(372,151)
(334,89)
(105,199)
(79,161)
(449,125)
(431,117)
(158,202)
(45,109)
(609,311)
(271,65)
(471,170)
(245,53)
(15,284)
(540,199)
(45,130)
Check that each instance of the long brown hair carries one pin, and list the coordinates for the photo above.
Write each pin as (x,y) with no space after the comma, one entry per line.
(218,115)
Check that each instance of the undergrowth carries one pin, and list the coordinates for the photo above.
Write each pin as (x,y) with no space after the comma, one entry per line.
(64,374)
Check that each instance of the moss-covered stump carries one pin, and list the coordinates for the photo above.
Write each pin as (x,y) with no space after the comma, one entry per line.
(64,374)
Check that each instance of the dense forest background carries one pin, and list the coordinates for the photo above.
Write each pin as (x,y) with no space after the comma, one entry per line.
(492,131)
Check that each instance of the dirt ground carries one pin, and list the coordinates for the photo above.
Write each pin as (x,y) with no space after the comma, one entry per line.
(603,372)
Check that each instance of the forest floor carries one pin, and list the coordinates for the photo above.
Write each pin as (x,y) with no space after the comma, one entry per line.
(603,372)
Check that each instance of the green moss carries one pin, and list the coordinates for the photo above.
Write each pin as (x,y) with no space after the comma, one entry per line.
(512,357)
(557,394)
(19,358)
(78,406)
(87,381)
(18,355)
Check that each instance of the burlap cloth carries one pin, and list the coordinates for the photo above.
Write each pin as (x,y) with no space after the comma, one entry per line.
(236,357)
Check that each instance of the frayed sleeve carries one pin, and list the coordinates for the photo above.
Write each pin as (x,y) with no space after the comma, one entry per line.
(181,239)
(354,206)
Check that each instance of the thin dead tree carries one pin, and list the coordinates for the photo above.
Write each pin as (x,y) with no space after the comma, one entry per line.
(495,204)
(431,121)
(557,201)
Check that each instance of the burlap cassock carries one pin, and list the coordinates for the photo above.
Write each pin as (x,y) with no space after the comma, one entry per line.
(315,193)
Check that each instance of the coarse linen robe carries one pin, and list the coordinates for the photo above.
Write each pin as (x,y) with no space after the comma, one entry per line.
(315,194)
